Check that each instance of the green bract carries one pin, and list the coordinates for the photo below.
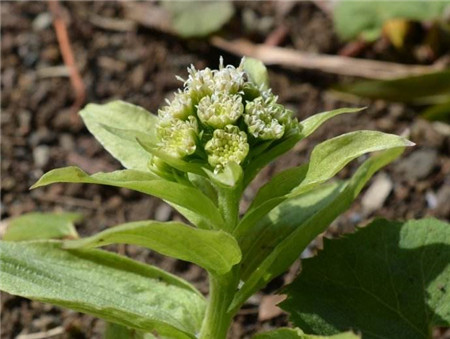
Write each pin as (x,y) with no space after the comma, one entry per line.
(198,155)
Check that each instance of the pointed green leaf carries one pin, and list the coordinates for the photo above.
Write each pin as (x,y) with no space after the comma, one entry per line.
(329,157)
(216,251)
(296,333)
(280,185)
(290,248)
(102,284)
(277,149)
(121,115)
(34,226)
(257,72)
(387,280)
(177,194)
(268,232)
(312,123)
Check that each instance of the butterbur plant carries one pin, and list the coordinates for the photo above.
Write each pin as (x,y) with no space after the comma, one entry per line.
(198,154)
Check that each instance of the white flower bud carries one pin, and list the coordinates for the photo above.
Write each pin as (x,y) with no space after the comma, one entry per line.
(220,109)
(179,108)
(265,119)
(177,137)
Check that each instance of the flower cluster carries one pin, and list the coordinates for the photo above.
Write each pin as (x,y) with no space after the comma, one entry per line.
(214,119)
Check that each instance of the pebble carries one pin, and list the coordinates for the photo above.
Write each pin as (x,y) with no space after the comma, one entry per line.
(431,199)
(41,156)
(66,141)
(419,164)
(443,201)
(163,212)
(377,193)
(42,21)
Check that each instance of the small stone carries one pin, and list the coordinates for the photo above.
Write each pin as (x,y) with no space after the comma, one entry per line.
(163,212)
(426,134)
(443,199)
(419,164)
(66,141)
(431,199)
(42,21)
(377,193)
(41,156)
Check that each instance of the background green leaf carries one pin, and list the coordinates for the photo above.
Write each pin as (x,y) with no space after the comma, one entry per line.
(198,18)
(365,19)
(33,226)
(102,284)
(203,214)
(429,88)
(387,280)
(216,251)
(124,116)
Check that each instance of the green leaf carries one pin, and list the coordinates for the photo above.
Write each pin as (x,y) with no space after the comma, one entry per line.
(284,216)
(198,18)
(366,18)
(388,280)
(440,112)
(277,149)
(431,88)
(102,284)
(257,72)
(190,198)
(33,226)
(216,251)
(296,333)
(280,185)
(309,125)
(327,159)
(125,116)
(271,230)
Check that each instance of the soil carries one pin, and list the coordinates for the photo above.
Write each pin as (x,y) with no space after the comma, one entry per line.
(39,132)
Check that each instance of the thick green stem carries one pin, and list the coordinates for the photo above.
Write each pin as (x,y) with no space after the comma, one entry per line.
(229,207)
(217,319)
(222,288)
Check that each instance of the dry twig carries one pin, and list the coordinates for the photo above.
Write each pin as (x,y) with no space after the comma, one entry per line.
(370,69)
(43,335)
(67,54)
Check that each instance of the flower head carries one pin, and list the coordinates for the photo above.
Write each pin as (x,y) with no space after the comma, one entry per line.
(199,83)
(228,144)
(227,79)
(266,119)
(179,108)
(178,137)
(220,109)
